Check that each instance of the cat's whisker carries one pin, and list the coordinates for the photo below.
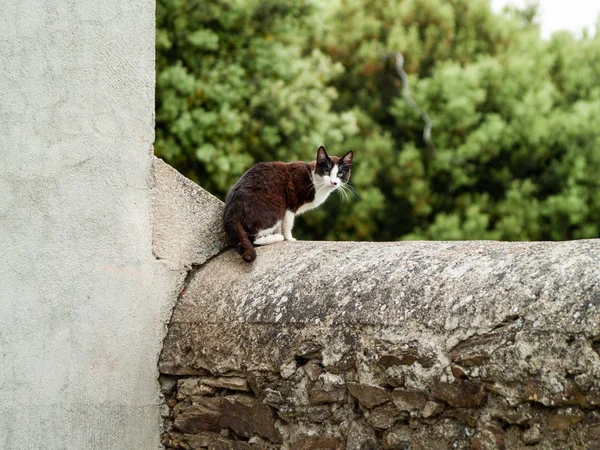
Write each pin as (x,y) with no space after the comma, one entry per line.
(345,191)
(349,188)
(343,195)
(346,194)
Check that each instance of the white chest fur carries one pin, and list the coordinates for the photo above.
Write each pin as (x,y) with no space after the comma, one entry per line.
(322,190)
(320,197)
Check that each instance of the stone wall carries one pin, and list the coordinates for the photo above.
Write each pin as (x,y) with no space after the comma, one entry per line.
(471,345)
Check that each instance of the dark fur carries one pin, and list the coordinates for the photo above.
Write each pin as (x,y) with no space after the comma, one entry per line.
(266,191)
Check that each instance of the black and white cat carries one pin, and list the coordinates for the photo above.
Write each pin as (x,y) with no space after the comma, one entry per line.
(261,207)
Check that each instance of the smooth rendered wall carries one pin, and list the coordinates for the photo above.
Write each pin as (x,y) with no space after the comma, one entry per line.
(82,299)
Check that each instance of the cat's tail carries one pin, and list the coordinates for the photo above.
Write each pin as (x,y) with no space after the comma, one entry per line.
(245,247)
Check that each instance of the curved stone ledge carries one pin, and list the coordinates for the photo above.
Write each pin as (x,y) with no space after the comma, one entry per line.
(388,345)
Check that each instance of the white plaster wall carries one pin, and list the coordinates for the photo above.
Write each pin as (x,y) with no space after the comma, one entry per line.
(83,302)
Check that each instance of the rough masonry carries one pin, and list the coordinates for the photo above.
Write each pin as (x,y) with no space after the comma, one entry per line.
(413,345)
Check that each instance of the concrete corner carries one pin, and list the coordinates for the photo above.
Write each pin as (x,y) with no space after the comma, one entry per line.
(187,227)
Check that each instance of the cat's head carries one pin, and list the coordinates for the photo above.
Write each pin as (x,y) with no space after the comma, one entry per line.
(332,171)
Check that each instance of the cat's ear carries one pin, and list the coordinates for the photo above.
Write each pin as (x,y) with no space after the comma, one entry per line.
(347,158)
(322,156)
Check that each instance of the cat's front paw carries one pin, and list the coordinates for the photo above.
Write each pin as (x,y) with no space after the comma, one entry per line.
(290,238)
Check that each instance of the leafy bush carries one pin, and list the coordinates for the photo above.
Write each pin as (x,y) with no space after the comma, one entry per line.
(517,145)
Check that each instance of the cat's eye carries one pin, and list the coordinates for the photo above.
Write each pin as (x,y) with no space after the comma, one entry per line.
(326,172)
(340,175)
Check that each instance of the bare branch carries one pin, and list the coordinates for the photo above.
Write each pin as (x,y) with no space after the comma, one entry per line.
(406,94)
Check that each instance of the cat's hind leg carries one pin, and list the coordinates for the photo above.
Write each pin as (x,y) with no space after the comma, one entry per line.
(269,235)
(269,239)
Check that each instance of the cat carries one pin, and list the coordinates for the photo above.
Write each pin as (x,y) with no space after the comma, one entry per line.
(261,206)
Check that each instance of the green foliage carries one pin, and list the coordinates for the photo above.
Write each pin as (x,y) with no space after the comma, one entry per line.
(236,84)
(515,117)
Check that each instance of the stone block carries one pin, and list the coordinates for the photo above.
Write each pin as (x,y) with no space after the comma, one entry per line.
(246,417)
(406,400)
(368,396)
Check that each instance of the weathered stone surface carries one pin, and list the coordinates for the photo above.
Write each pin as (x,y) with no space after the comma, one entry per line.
(288,370)
(432,409)
(462,394)
(406,400)
(216,441)
(312,369)
(329,388)
(167,384)
(485,343)
(317,413)
(564,418)
(172,439)
(592,433)
(540,277)
(477,349)
(318,395)
(318,443)
(228,444)
(231,383)
(384,416)
(532,435)
(405,355)
(203,440)
(277,397)
(500,409)
(368,396)
(342,363)
(442,434)
(186,220)
(458,372)
(258,443)
(197,419)
(360,436)
(394,378)
(489,437)
(246,416)
(193,387)
(397,438)
(468,416)
(260,380)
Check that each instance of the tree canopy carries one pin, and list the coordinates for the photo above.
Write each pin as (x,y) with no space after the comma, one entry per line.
(515,117)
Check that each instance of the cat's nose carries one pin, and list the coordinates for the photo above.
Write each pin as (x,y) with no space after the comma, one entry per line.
(333,183)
